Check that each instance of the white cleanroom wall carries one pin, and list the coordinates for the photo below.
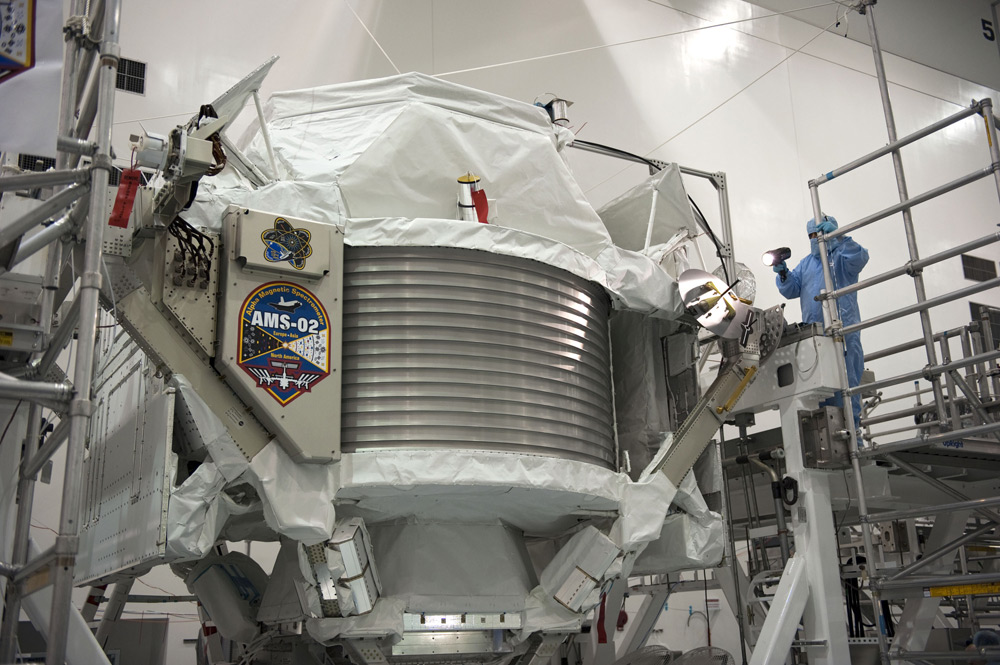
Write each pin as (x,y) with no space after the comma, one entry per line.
(772,101)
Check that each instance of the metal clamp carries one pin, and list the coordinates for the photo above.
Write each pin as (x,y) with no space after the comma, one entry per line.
(91,280)
(66,545)
(111,54)
(75,26)
(81,407)
(102,161)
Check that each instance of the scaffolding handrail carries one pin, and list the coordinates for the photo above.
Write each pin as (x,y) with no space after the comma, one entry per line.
(913,344)
(924,511)
(923,373)
(912,266)
(928,439)
(913,201)
(926,304)
(43,179)
(975,108)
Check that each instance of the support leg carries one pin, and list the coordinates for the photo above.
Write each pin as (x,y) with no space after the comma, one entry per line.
(915,623)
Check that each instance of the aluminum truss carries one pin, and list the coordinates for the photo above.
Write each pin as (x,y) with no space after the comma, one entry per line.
(91,54)
(944,377)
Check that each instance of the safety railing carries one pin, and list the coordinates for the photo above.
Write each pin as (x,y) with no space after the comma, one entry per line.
(945,380)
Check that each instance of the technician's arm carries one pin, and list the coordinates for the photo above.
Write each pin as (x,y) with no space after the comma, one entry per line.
(852,257)
(789,284)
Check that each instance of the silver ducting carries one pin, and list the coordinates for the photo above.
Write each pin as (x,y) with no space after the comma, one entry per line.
(456,348)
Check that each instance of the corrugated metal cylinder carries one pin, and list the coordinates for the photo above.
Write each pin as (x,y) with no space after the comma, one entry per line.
(456,348)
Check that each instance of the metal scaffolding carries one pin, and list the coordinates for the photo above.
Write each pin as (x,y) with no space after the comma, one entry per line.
(953,394)
(91,56)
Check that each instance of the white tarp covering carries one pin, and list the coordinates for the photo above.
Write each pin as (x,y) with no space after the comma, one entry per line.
(627,218)
(297,498)
(216,438)
(196,513)
(688,540)
(434,565)
(390,151)
(641,394)
(385,619)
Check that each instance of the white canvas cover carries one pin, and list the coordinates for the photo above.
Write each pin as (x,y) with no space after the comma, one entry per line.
(390,151)
(661,197)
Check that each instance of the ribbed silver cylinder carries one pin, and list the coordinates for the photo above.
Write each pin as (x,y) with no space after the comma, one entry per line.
(456,348)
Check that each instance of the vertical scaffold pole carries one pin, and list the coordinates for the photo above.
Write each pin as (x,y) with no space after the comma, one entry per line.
(911,240)
(835,325)
(90,287)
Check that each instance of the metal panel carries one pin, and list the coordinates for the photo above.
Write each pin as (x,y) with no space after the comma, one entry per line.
(455,348)
(430,644)
(126,471)
(192,300)
(279,338)
(469,621)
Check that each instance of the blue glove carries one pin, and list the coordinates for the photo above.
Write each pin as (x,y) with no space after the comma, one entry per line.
(826,226)
(780,268)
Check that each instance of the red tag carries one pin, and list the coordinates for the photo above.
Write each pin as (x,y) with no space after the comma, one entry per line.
(125,199)
(482,205)
(602,632)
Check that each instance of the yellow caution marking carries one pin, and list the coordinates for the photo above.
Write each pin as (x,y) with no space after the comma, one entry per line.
(6,338)
(731,402)
(962,590)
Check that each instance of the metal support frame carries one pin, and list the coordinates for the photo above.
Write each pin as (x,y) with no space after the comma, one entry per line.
(920,613)
(991,515)
(42,213)
(646,617)
(923,511)
(927,439)
(917,656)
(717,180)
(938,580)
(99,105)
(811,577)
(947,548)
(113,610)
(46,179)
(941,376)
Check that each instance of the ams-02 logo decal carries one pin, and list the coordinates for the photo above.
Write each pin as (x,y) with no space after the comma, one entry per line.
(284,341)
(287,243)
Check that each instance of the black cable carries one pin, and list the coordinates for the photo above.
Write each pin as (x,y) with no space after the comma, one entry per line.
(619,151)
(703,223)
(890,628)
(12,414)
(850,586)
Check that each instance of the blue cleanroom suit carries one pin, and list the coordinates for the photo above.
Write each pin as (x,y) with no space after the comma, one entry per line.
(805,281)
